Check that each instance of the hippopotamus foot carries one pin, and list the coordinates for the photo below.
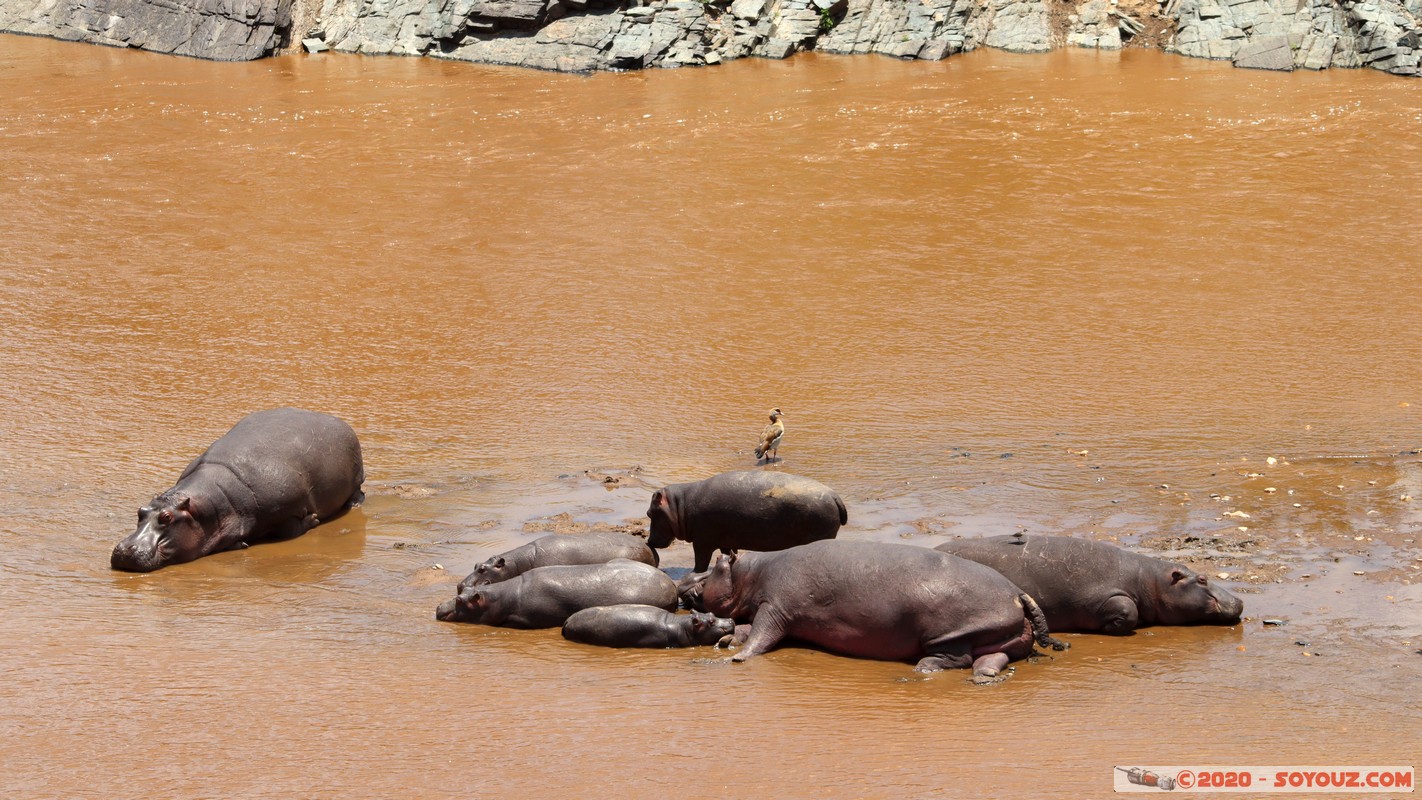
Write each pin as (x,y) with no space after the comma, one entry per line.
(987,668)
(737,637)
(938,662)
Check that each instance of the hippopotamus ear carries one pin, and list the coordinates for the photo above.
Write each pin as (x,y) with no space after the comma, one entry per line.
(698,621)
(187,507)
(1177,575)
(499,562)
(659,499)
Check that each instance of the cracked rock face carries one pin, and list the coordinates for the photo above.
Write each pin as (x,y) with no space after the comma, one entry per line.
(221,30)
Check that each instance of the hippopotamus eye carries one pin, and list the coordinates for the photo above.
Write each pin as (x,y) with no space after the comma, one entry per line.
(165,517)
(1203,580)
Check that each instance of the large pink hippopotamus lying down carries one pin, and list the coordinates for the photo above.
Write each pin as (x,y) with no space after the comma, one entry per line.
(744,510)
(1088,586)
(275,475)
(892,602)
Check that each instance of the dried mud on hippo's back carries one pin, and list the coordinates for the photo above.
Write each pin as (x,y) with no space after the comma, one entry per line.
(744,510)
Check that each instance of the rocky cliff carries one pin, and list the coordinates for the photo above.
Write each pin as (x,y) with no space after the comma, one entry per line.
(583,35)
(223,30)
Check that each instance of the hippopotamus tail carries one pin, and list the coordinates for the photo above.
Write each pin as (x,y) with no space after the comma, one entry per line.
(1038,621)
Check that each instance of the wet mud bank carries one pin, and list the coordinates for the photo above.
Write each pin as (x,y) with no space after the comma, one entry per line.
(589,35)
(1326,547)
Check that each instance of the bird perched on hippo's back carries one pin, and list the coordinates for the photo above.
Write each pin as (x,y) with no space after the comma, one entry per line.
(771,435)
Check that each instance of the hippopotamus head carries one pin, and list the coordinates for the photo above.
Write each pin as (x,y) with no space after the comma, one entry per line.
(494,570)
(170,530)
(709,628)
(468,605)
(688,590)
(1187,598)
(717,589)
(663,529)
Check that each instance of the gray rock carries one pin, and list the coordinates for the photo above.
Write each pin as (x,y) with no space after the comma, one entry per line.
(1266,52)
(314,45)
(747,9)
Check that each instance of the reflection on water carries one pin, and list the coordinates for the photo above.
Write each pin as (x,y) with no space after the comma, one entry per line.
(1086,293)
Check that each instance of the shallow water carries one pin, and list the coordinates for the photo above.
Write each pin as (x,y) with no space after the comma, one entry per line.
(1074,293)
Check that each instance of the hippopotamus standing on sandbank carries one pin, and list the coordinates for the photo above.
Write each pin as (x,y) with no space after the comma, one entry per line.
(744,510)
(277,474)
(1089,586)
(892,602)
(546,596)
(644,626)
(560,549)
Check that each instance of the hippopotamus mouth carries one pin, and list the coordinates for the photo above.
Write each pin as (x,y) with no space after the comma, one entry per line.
(1227,615)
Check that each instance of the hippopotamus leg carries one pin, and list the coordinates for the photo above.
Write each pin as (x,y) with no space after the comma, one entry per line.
(766,631)
(1119,615)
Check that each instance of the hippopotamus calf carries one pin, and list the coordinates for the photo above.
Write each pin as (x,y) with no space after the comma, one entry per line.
(275,475)
(545,597)
(892,602)
(1091,586)
(559,549)
(744,510)
(644,626)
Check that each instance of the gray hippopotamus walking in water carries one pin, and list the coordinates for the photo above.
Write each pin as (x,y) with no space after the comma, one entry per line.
(744,510)
(275,475)
(546,596)
(644,626)
(559,549)
(1089,586)
(892,602)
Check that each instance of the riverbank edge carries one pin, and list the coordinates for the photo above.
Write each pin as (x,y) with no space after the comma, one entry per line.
(588,36)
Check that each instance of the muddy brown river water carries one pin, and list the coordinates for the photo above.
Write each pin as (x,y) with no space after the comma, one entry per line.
(1081,293)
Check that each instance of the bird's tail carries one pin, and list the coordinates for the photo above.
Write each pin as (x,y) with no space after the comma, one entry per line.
(760,452)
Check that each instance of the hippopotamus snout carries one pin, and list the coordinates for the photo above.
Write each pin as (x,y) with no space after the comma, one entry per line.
(455,608)
(143,550)
(1227,607)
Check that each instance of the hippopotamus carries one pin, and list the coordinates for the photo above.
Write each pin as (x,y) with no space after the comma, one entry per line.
(893,602)
(558,549)
(275,475)
(644,626)
(545,597)
(744,510)
(1088,586)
